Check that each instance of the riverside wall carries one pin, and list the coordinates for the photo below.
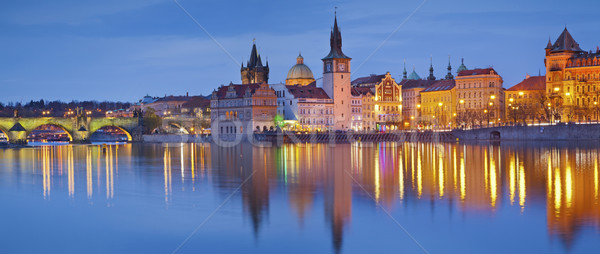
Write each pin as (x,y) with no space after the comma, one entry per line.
(549,132)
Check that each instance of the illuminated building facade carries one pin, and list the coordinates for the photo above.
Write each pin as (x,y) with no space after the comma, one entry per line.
(572,80)
(387,100)
(411,100)
(304,107)
(239,109)
(363,109)
(525,101)
(480,96)
(438,104)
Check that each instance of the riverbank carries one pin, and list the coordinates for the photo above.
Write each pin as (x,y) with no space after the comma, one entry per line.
(548,132)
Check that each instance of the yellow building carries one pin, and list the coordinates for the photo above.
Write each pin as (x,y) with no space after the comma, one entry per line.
(572,80)
(525,101)
(438,105)
(480,97)
(299,74)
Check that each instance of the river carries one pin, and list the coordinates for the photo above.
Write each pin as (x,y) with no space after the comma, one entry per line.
(373,198)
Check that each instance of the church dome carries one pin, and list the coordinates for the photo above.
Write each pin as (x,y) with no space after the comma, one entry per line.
(300,70)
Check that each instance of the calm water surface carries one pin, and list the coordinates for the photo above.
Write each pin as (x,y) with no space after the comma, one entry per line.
(405,198)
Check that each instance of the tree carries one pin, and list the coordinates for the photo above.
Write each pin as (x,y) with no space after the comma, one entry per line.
(151,121)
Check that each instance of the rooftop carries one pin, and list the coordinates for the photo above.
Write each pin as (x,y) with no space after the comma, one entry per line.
(371,79)
(530,84)
(441,85)
(307,92)
(486,71)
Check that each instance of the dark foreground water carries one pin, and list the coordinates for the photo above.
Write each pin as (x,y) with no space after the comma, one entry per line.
(405,198)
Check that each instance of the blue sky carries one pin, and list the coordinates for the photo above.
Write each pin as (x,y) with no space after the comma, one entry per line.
(123,50)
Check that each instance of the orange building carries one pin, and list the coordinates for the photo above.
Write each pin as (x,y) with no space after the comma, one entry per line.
(525,101)
(572,80)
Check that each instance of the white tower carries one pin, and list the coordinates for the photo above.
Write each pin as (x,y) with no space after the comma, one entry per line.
(336,80)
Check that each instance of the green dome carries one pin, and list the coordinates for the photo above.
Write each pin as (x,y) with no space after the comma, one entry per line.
(414,75)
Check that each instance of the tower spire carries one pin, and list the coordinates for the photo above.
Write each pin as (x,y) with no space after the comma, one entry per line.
(431,77)
(335,42)
(449,75)
(404,72)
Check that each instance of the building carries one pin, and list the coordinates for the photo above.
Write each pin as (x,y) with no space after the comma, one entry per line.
(387,100)
(572,80)
(166,106)
(242,108)
(525,101)
(336,80)
(439,104)
(255,72)
(304,107)
(480,96)
(299,74)
(363,109)
(369,81)
(411,100)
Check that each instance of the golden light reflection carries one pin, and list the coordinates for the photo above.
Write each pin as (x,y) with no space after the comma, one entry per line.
(596,178)
(46,171)
(70,171)
(511,179)
(88,170)
(493,181)
(167,172)
(569,187)
(522,187)
(419,179)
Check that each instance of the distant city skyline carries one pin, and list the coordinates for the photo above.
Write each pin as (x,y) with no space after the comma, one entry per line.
(121,51)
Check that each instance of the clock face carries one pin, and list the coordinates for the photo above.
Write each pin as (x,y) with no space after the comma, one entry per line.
(328,66)
(341,67)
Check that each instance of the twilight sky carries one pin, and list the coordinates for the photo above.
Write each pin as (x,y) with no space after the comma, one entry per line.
(124,49)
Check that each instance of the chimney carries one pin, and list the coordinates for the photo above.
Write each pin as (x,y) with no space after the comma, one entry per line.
(187,94)
(527,76)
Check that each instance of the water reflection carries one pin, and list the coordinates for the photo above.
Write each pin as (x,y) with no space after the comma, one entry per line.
(464,178)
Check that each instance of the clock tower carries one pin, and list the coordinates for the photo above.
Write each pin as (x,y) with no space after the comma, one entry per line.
(336,80)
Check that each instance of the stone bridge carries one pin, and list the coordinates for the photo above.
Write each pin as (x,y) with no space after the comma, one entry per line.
(78,128)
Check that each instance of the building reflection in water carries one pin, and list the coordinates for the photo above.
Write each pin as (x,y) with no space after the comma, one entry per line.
(463,177)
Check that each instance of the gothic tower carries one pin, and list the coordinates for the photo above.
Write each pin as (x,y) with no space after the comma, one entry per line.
(255,72)
(336,79)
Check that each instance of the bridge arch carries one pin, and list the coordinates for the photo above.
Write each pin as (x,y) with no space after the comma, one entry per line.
(5,132)
(495,135)
(127,133)
(34,127)
(179,126)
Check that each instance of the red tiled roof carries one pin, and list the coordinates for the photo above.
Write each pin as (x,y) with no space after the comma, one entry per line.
(485,71)
(307,92)
(441,85)
(356,91)
(530,84)
(368,80)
